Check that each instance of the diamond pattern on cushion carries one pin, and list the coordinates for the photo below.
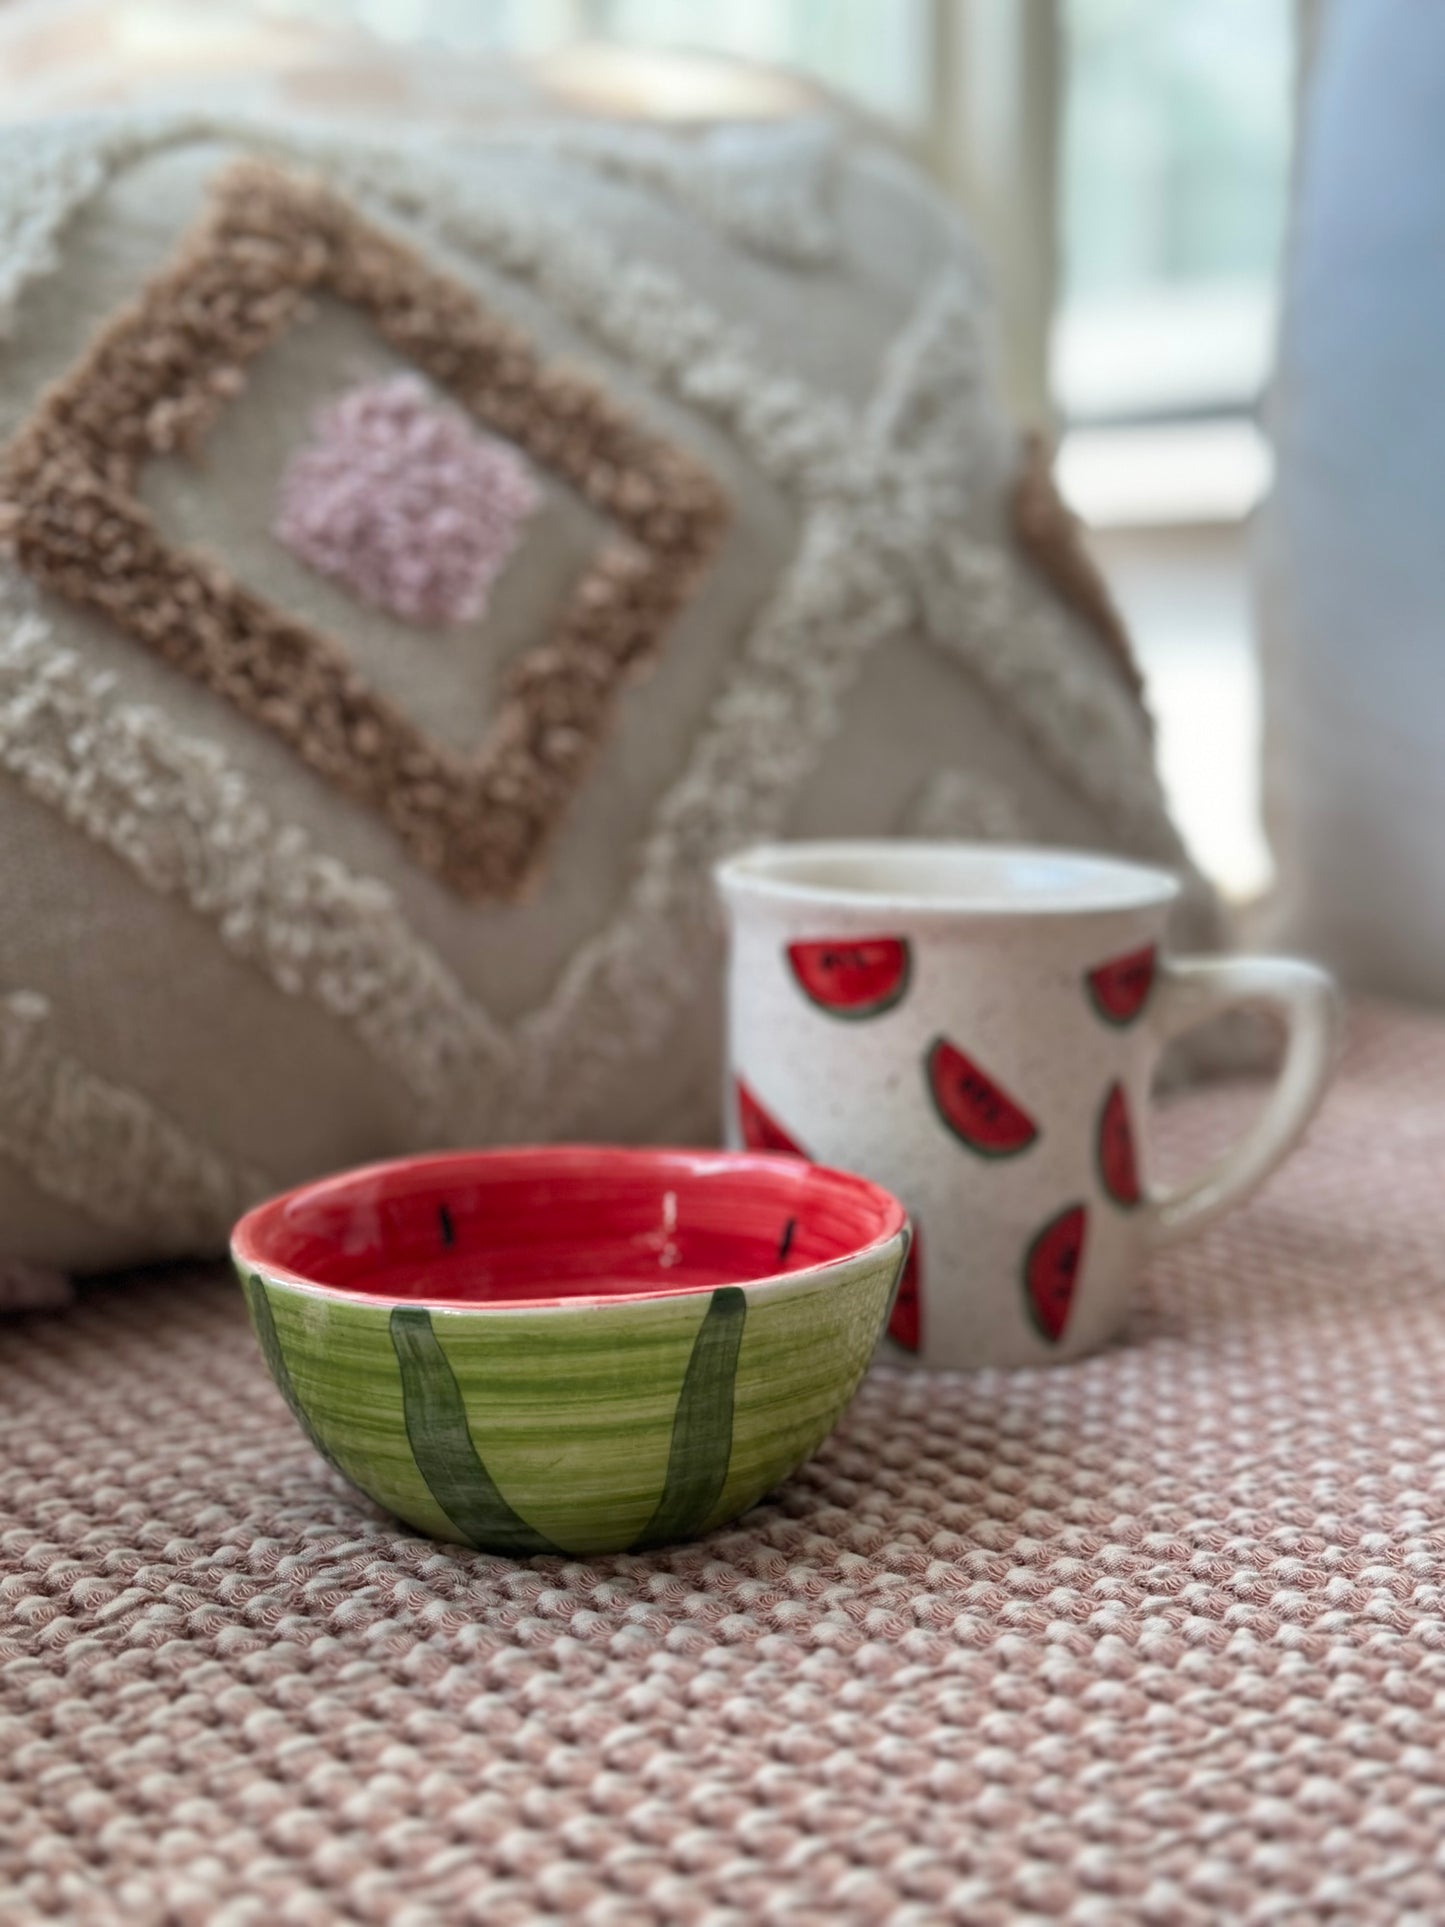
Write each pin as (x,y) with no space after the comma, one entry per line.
(162,370)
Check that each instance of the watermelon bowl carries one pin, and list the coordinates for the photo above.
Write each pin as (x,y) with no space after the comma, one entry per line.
(571,1349)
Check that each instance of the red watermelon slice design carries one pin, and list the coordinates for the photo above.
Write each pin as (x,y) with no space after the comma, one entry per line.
(1118,1165)
(852,977)
(1051,1271)
(1119,989)
(761,1131)
(978,1111)
(905,1321)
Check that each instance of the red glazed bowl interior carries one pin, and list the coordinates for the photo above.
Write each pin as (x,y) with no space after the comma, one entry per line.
(562,1225)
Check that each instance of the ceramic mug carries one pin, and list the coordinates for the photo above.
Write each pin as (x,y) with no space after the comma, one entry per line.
(976,1028)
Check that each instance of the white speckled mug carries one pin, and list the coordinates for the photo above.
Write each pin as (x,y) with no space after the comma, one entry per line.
(976,1027)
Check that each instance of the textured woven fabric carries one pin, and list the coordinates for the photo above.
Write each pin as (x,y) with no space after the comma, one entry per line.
(1157,1637)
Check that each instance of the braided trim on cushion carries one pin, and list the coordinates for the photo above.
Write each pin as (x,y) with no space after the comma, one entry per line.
(767,187)
(1052,537)
(175,811)
(1090,730)
(47,172)
(969,804)
(154,381)
(106,1150)
(642,312)
(885,543)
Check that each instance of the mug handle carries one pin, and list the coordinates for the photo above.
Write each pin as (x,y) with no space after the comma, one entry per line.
(1193,989)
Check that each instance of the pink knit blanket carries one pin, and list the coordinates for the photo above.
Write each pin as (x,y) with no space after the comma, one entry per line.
(1159,1637)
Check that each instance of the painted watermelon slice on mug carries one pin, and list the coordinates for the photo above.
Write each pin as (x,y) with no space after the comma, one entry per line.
(1119,989)
(1051,1271)
(979,1112)
(760,1130)
(850,977)
(1118,1165)
(905,1321)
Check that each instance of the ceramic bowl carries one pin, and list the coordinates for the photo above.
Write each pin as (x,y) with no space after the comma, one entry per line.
(571,1350)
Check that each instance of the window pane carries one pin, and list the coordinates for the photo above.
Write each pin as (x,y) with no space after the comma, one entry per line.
(1175,172)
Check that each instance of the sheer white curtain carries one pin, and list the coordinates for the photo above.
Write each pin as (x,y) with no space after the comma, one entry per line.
(1352,559)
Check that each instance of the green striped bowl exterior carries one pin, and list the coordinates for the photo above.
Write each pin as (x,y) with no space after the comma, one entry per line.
(576,1428)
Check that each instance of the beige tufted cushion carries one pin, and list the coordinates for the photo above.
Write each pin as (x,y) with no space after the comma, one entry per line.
(236,949)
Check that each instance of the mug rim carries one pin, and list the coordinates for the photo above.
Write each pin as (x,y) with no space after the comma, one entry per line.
(1085,882)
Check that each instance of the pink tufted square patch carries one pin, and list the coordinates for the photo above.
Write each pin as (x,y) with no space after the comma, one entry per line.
(405,502)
